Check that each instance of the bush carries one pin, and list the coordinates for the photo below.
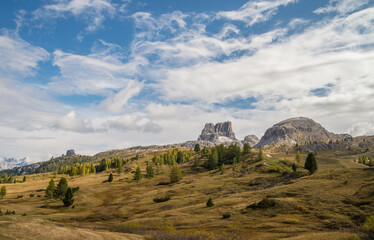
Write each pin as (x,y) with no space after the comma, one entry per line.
(19,196)
(10,212)
(32,195)
(210,203)
(163,183)
(226,215)
(161,199)
(75,189)
(265,203)
(291,221)
(279,169)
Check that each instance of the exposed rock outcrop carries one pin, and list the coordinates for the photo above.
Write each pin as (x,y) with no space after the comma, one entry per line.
(70,152)
(212,132)
(251,139)
(300,131)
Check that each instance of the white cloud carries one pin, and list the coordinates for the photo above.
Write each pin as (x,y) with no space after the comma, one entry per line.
(322,54)
(72,122)
(93,12)
(255,11)
(18,57)
(134,122)
(341,6)
(116,102)
(97,73)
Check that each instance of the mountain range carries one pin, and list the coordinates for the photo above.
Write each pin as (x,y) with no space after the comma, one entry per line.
(302,133)
(9,163)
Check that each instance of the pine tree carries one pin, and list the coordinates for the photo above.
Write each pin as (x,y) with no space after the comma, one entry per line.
(158,169)
(210,203)
(294,168)
(50,189)
(24,178)
(150,173)
(68,199)
(175,174)
(222,168)
(311,163)
(260,156)
(298,157)
(3,191)
(213,160)
(110,178)
(120,166)
(10,180)
(197,148)
(138,175)
(5,179)
(61,188)
(246,148)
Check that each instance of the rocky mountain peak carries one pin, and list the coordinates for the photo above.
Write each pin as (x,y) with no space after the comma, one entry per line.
(213,132)
(298,130)
(251,139)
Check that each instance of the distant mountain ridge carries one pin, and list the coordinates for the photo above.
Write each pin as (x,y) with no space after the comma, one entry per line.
(301,132)
(9,163)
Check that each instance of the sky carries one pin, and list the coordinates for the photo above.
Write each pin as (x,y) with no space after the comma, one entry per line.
(95,75)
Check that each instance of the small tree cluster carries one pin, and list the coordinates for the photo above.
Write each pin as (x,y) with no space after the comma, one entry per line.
(175,174)
(58,191)
(365,160)
(7,179)
(172,157)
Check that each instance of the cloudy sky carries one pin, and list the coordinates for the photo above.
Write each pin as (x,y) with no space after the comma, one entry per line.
(95,75)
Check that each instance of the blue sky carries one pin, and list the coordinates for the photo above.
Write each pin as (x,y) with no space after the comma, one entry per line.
(95,75)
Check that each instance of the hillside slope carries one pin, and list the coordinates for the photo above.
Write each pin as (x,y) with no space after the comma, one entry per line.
(329,204)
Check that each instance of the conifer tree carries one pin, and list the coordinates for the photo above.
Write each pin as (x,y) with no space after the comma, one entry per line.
(110,178)
(311,163)
(5,179)
(294,168)
(158,169)
(213,160)
(3,191)
(222,168)
(61,188)
(197,148)
(10,180)
(50,189)
(298,157)
(150,173)
(260,156)
(138,175)
(175,174)
(68,199)
(246,148)
(120,166)
(24,178)
(210,203)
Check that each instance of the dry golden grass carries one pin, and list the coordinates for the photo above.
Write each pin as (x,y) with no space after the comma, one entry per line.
(326,205)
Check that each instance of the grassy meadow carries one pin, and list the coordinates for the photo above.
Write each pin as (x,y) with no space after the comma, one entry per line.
(262,203)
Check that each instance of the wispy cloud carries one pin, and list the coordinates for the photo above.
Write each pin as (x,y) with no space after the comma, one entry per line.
(341,6)
(93,12)
(255,11)
(18,57)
